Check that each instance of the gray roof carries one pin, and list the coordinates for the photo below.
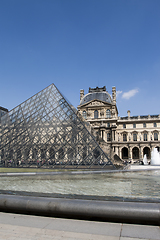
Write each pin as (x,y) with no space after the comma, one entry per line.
(103,96)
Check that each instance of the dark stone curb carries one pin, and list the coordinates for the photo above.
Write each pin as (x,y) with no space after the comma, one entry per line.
(113,211)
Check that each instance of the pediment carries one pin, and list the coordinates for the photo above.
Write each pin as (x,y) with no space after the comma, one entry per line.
(96,102)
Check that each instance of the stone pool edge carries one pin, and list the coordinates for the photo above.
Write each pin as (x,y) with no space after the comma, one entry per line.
(129,168)
(113,211)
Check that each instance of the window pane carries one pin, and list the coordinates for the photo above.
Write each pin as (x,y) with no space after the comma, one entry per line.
(108,137)
(124,125)
(145,137)
(155,124)
(155,136)
(134,137)
(134,125)
(84,114)
(124,137)
(144,125)
(108,113)
(95,114)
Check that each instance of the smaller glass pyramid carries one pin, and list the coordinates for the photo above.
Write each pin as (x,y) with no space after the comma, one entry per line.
(44,131)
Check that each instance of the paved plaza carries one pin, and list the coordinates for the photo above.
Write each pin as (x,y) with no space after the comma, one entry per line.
(27,227)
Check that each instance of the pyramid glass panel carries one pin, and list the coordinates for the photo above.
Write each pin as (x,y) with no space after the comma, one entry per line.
(44,131)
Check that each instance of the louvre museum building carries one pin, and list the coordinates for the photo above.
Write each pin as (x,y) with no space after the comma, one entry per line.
(129,137)
(46,131)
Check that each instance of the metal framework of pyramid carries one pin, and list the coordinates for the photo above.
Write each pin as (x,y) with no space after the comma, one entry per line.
(45,131)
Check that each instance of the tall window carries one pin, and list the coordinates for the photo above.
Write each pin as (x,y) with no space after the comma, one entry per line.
(134,136)
(155,136)
(108,113)
(134,125)
(108,124)
(135,153)
(124,137)
(154,124)
(108,137)
(144,125)
(145,137)
(96,114)
(124,125)
(85,114)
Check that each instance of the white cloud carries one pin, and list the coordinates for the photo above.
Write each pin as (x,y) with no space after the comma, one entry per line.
(118,93)
(129,94)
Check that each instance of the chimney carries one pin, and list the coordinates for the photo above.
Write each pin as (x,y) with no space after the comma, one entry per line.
(129,112)
(81,93)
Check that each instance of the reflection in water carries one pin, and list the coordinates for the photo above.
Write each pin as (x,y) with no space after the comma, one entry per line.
(126,184)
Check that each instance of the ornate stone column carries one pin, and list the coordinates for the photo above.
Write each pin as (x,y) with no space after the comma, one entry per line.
(129,153)
(140,153)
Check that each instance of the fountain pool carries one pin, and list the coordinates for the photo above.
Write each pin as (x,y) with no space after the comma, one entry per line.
(143,184)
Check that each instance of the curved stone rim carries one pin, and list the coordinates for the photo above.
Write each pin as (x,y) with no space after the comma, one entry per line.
(124,212)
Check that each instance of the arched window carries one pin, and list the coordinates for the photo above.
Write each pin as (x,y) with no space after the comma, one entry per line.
(124,137)
(70,153)
(146,151)
(135,153)
(34,153)
(84,114)
(43,153)
(96,114)
(60,153)
(108,113)
(124,153)
(155,136)
(51,153)
(108,137)
(134,136)
(96,153)
(145,137)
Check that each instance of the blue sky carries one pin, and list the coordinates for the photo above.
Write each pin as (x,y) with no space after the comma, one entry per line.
(77,44)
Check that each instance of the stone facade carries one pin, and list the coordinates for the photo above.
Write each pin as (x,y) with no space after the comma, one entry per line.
(129,137)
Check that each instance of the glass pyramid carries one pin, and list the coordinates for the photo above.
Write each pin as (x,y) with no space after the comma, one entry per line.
(44,131)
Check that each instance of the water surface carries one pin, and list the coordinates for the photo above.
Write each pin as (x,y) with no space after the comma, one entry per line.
(122,184)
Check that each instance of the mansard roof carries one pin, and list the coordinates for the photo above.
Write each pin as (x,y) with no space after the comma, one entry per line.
(96,95)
